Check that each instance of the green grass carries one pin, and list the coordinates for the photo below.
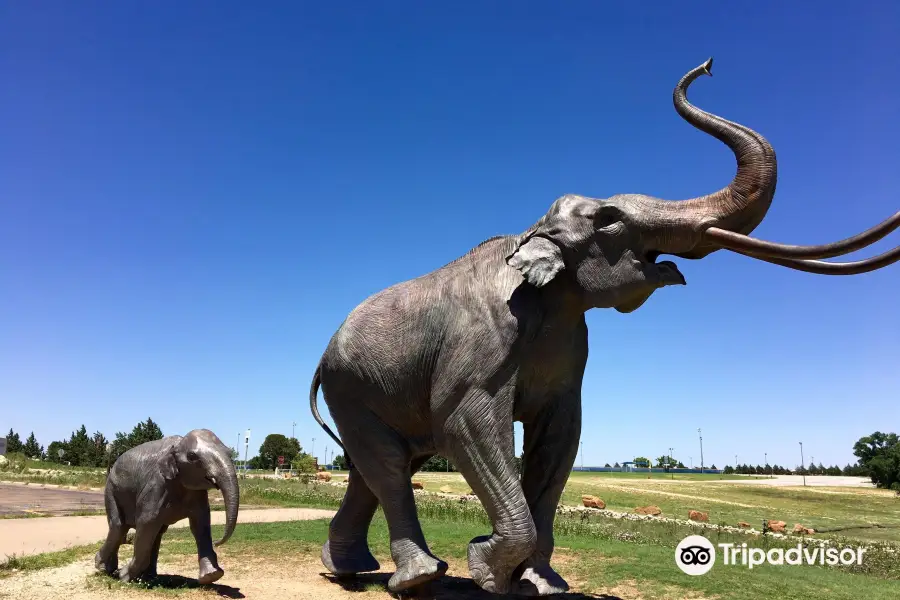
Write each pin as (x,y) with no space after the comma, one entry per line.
(595,553)
(847,512)
(34,562)
(596,563)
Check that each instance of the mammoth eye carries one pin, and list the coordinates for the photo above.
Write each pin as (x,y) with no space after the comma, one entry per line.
(608,215)
(192,456)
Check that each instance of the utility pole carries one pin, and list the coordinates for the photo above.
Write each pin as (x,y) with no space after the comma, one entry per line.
(802,467)
(701,449)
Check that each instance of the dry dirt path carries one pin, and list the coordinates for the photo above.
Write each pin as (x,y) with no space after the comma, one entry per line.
(255,578)
(48,534)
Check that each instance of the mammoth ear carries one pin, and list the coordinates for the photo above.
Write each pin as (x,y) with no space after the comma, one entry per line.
(539,260)
(168,466)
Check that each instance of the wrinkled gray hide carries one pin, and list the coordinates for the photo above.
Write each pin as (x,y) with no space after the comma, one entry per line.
(158,483)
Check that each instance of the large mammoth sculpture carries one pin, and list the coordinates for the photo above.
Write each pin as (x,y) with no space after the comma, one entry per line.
(445,363)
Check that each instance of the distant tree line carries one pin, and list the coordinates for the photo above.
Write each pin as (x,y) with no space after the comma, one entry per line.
(81,449)
(821,469)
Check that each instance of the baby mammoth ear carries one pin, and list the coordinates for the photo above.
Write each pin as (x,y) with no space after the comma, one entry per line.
(168,466)
(538,259)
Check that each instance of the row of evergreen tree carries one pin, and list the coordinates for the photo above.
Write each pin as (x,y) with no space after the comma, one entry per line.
(820,469)
(81,449)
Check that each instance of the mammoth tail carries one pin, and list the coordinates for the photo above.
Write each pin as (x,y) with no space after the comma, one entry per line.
(314,407)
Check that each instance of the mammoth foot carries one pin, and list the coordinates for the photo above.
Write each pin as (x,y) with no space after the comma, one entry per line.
(491,563)
(106,565)
(414,567)
(129,574)
(209,572)
(541,581)
(348,560)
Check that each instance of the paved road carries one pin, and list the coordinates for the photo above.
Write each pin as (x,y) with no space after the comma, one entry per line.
(16,499)
(34,536)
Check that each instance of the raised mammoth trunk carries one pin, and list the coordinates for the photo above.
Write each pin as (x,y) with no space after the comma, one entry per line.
(740,206)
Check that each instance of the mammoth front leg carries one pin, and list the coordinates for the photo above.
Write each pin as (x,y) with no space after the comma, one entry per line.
(479,435)
(199,519)
(550,447)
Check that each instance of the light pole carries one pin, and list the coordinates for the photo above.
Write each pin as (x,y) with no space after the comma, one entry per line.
(670,462)
(766,462)
(735,461)
(294,430)
(582,456)
(246,448)
(701,450)
(237,448)
(802,467)
(691,458)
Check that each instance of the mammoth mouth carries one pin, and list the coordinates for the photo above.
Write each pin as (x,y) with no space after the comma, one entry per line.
(212,481)
(667,271)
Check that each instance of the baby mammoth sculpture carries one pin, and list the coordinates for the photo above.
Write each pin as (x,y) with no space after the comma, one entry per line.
(158,483)
(446,362)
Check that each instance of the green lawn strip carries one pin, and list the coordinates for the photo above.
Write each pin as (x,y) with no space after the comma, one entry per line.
(34,562)
(588,553)
(598,564)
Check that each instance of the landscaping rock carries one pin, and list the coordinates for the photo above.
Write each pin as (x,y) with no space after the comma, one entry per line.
(593,502)
(648,510)
(323,476)
(418,485)
(446,489)
(777,526)
(798,528)
(696,515)
(744,524)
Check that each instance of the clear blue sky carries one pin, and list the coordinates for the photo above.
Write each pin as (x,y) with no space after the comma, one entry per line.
(194,195)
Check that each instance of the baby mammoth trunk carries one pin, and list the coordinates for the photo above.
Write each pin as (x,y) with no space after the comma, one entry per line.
(226,479)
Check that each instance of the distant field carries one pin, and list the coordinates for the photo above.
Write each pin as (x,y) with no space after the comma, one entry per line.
(857,513)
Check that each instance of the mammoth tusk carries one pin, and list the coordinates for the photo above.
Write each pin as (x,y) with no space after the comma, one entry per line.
(761,248)
(826,268)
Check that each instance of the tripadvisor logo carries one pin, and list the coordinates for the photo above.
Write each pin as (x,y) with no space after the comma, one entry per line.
(696,555)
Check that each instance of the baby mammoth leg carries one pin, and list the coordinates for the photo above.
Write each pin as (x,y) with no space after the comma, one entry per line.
(206,555)
(144,540)
(107,558)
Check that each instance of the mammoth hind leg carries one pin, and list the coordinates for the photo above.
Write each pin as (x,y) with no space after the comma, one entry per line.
(383,460)
(347,550)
